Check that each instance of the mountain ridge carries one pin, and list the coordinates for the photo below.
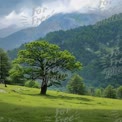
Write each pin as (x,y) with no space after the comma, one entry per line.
(54,23)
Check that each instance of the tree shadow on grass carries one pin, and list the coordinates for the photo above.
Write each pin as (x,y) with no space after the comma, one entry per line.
(63,97)
(60,95)
(68,97)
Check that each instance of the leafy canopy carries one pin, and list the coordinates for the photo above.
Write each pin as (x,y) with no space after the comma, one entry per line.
(47,62)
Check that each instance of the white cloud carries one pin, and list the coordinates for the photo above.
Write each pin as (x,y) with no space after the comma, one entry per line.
(68,6)
(13,19)
(25,18)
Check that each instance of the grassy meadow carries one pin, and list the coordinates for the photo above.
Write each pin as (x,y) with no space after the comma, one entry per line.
(22,104)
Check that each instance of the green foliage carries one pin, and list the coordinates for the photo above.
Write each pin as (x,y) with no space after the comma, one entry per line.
(91,91)
(45,61)
(98,92)
(76,85)
(119,92)
(33,84)
(4,65)
(110,92)
(16,74)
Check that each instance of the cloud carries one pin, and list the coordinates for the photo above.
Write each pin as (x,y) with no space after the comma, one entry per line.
(22,15)
(13,18)
(67,6)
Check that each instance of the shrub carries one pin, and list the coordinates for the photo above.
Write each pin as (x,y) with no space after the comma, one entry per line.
(110,92)
(119,92)
(32,84)
(91,91)
(98,93)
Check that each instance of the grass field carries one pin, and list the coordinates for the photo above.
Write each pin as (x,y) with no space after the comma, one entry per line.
(21,104)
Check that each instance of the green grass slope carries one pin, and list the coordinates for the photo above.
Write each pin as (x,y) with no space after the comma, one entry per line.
(21,104)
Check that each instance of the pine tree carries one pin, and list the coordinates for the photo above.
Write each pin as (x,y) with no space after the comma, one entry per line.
(4,66)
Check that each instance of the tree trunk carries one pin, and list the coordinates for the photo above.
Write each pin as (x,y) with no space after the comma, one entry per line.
(43,89)
(44,86)
(5,83)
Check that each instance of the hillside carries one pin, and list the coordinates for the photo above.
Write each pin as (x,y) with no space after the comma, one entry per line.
(21,104)
(89,44)
(4,32)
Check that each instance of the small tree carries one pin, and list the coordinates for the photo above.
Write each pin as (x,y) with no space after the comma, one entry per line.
(98,93)
(119,92)
(110,92)
(46,62)
(4,66)
(76,85)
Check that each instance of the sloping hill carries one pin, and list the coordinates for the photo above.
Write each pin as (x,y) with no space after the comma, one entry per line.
(21,104)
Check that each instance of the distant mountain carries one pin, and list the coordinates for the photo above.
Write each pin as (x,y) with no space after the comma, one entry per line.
(8,31)
(54,23)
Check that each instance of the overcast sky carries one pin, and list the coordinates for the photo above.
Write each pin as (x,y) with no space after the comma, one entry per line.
(24,13)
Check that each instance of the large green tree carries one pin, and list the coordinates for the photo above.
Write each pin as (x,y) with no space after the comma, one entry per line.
(46,62)
(4,66)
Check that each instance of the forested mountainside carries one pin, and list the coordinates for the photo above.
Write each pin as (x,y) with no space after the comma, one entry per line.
(97,46)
